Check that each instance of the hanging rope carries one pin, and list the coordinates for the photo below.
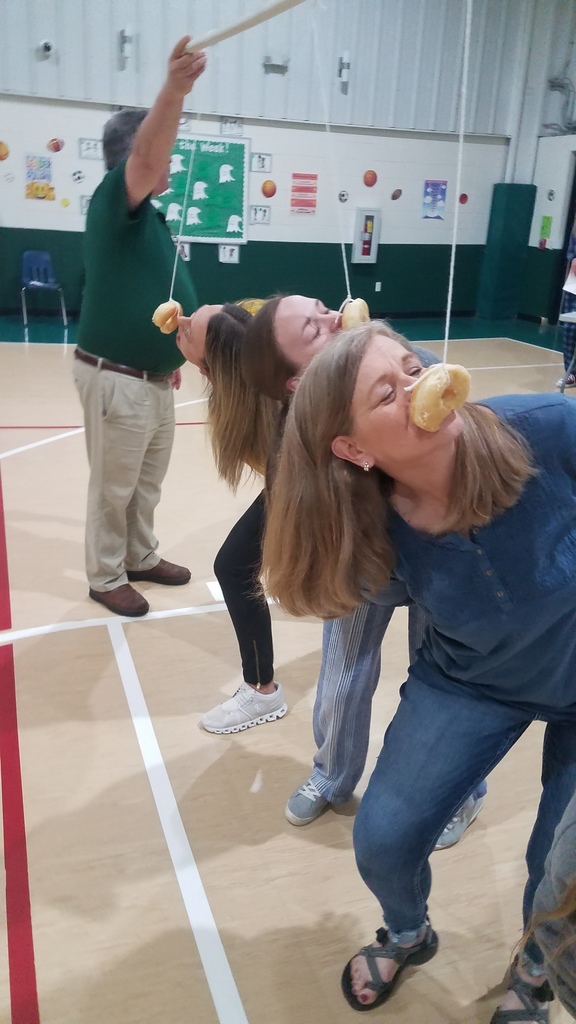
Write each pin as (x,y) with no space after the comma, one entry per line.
(331,153)
(463,99)
(180,232)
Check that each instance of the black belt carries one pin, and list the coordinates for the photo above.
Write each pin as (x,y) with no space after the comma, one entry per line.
(129,371)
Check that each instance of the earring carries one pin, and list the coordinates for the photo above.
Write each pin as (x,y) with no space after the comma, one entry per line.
(367,467)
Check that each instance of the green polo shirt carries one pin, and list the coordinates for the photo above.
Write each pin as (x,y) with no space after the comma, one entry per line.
(129,260)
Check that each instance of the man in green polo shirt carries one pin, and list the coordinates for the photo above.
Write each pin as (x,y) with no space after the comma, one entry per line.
(125,368)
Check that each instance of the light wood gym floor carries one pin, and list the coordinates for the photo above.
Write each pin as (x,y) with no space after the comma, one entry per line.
(149,868)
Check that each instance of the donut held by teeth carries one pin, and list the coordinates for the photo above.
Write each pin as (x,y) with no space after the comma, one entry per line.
(441,389)
(355,312)
(166,316)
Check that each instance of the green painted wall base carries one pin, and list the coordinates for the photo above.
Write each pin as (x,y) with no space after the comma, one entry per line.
(541,292)
(414,278)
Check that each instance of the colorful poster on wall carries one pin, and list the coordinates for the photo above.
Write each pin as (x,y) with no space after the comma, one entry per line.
(304,193)
(434,203)
(39,178)
(215,207)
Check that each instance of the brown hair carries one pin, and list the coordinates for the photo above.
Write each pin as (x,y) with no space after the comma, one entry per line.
(326,542)
(263,364)
(241,421)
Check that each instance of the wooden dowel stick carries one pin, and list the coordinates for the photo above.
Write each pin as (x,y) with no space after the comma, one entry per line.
(233,30)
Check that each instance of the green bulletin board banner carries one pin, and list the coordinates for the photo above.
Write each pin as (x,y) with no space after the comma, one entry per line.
(217,195)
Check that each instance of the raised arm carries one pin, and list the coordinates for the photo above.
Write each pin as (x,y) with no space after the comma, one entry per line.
(150,154)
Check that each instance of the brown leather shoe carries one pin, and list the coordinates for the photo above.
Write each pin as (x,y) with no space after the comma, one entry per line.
(168,573)
(123,600)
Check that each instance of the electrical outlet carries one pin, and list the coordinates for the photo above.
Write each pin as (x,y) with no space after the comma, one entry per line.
(378,286)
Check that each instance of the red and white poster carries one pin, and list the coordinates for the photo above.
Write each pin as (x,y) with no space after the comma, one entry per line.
(304,192)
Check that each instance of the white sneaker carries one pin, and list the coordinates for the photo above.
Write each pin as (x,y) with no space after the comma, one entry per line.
(246,708)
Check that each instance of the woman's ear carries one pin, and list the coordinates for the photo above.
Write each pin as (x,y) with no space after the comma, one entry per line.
(345,448)
(292,383)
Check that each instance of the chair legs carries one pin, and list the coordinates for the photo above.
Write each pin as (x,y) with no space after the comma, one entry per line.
(63,307)
(25,308)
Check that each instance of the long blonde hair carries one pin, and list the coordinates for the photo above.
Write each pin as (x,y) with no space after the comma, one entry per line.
(326,542)
(241,421)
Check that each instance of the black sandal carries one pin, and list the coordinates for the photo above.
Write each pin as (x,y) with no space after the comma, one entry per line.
(531,996)
(405,956)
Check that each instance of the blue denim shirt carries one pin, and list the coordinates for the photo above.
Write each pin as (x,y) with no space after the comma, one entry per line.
(502,604)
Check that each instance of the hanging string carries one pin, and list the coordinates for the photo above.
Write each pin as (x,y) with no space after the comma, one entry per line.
(463,99)
(332,156)
(181,231)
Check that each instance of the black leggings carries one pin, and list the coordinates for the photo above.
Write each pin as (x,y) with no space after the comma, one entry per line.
(236,568)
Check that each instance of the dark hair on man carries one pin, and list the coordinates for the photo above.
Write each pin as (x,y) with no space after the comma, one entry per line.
(119,134)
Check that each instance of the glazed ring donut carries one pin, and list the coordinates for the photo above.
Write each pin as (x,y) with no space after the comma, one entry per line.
(355,312)
(166,316)
(436,393)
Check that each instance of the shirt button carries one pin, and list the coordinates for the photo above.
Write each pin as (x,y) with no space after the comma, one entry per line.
(499,593)
(479,551)
(490,572)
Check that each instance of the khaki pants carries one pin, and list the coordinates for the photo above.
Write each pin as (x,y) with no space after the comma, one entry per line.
(129,436)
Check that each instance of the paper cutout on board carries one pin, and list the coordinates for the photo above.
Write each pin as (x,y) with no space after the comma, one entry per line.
(226,174)
(176,163)
(200,192)
(4,151)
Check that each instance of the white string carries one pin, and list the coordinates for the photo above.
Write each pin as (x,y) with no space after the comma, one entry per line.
(180,232)
(332,157)
(463,98)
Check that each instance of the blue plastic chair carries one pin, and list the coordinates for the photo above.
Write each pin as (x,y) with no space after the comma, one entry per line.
(38,275)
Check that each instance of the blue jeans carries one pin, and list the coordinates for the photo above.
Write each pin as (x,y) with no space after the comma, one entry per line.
(349,675)
(437,749)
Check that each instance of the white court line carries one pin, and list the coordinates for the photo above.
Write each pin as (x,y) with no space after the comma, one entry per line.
(520,366)
(515,341)
(37,444)
(9,636)
(215,589)
(71,433)
(219,976)
(195,401)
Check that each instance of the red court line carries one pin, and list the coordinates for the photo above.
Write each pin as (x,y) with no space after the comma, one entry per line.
(21,966)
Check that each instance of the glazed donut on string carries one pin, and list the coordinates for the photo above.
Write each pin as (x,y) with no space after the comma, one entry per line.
(354,312)
(441,389)
(166,316)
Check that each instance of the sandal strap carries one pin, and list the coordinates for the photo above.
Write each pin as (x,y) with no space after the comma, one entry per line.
(388,950)
(510,1016)
(531,996)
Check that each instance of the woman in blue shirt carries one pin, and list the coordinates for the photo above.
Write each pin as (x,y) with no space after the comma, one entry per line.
(479,521)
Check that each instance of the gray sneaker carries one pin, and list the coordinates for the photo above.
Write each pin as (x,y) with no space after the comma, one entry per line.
(248,707)
(305,805)
(456,828)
